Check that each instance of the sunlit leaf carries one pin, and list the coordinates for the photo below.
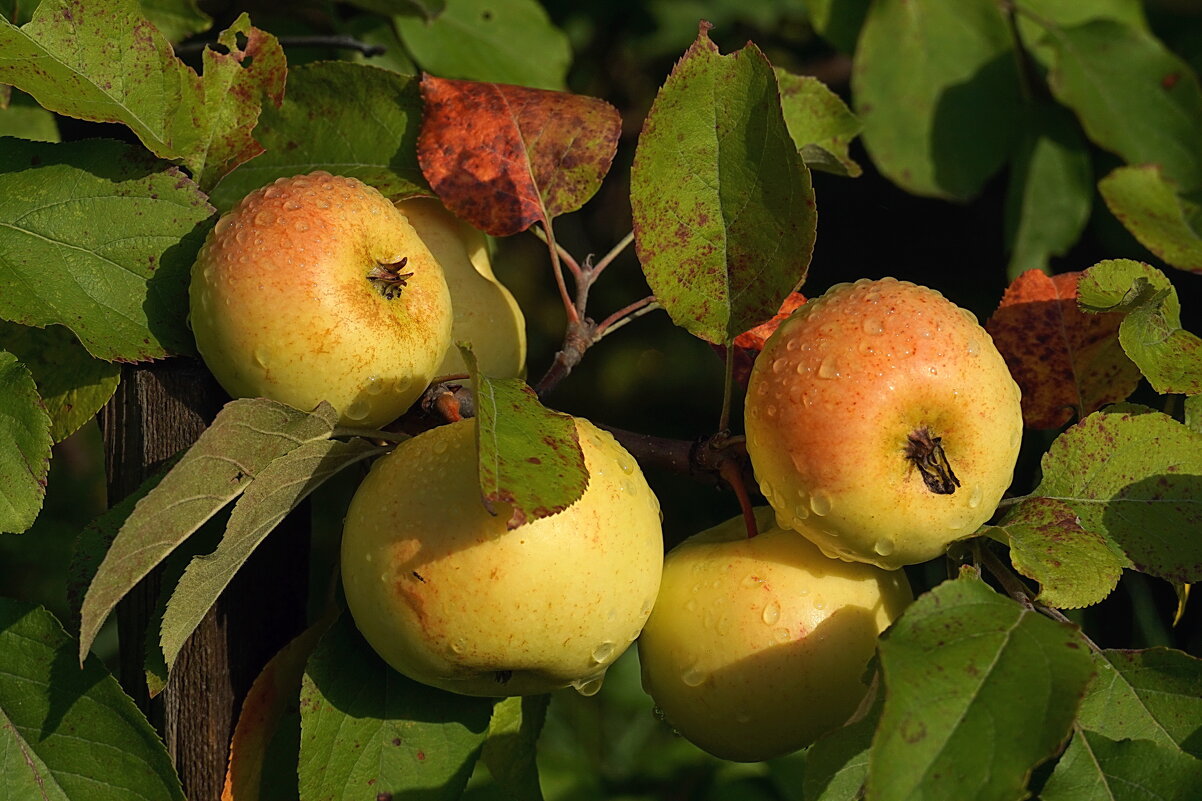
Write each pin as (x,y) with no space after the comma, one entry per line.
(1148,206)
(509,752)
(820,123)
(24,446)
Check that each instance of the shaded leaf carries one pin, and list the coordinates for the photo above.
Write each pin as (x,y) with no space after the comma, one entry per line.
(979,690)
(366,730)
(748,344)
(24,118)
(509,751)
(837,765)
(121,230)
(936,88)
(504,157)
(1193,413)
(1096,768)
(68,733)
(821,124)
(1150,333)
(348,119)
(243,439)
(1066,362)
(1134,476)
(724,215)
(1148,206)
(24,447)
(73,385)
(176,19)
(838,21)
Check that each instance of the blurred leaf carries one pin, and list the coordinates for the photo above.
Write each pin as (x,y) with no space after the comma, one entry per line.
(937,91)
(509,751)
(24,118)
(821,124)
(1150,333)
(1050,191)
(243,439)
(18,12)
(379,31)
(530,456)
(1075,567)
(979,690)
(176,19)
(1132,95)
(276,490)
(349,119)
(837,765)
(1182,590)
(1148,206)
(724,217)
(1146,695)
(1066,362)
(119,229)
(73,385)
(513,42)
(24,447)
(839,21)
(70,734)
(505,157)
(1134,476)
(1095,768)
(429,9)
(366,730)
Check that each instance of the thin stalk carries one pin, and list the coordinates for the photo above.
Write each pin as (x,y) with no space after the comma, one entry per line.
(613,254)
(625,315)
(557,268)
(727,390)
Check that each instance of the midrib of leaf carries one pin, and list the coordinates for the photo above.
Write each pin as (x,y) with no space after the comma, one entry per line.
(1156,724)
(526,147)
(496,462)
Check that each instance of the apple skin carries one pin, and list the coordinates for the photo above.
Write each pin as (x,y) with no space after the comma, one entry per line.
(834,398)
(757,647)
(451,599)
(486,313)
(282,306)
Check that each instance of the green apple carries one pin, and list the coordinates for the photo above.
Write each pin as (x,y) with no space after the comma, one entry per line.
(882,422)
(758,646)
(316,288)
(449,597)
(486,313)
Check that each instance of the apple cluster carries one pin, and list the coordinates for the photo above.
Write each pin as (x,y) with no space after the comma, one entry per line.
(881,423)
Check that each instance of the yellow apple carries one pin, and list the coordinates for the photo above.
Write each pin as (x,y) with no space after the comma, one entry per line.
(882,422)
(757,647)
(486,314)
(449,597)
(316,288)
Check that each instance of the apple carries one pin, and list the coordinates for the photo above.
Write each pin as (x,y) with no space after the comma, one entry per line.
(486,313)
(758,646)
(882,422)
(316,288)
(449,597)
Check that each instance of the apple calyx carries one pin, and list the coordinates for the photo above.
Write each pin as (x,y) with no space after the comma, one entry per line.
(388,279)
(925,452)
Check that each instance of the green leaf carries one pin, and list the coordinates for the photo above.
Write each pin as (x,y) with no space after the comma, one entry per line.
(1134,476)
(368,731)
(1146,695)
(24,447)
(724,217)
(18,12)
(1035,16)
(1150,333)
(1193,413)
(176,19)
(509,750)
(1050,193)
(1149,207)
(67,733)
(839,21)
(1132,95)
(821,124)
(380,32)
(837,765)
(99,238)
(276,490)
(73,385)
(1095,768)
(243,439)
(937,90)
(530,456)
(1075,567)
(979,690)
(25,119)
(349,119)
(428,9)
(513,42)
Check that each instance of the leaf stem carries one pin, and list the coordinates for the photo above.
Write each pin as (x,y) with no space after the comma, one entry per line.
(727,389)
(547,234)
(625,315)
(608,258)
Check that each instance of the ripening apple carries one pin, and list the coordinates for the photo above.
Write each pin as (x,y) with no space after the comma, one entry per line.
(486,314)
(882,422)
(316,288)
(449,597)
(758,646)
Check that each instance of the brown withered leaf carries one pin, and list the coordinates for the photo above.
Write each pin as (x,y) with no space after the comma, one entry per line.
(504,157)
(748,344)
(1067,363)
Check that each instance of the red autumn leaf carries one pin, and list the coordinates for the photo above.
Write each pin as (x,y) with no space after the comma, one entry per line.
(1067,363)
(749,343)
(505,157)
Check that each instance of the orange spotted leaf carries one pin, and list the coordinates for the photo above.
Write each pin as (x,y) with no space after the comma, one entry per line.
(749,343)
(1067,363)
(505,157)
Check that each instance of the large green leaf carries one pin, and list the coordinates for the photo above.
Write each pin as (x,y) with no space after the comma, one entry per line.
(724,216)
(979,690)
(1149,207)
(509,752)
(936,87)
(820,123)
(24,118)
(99,238)
(1096,768)
(24,446)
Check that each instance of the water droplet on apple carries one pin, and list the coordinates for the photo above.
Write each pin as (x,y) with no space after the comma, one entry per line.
(819,604)
(603,651)
(752,581)
(974,497)
(904,352)
(771,613)
(691,605)
(770,410)
(263,218)
(723,627)
(871,325)
(934,370)
(241,236)
(626,464)
(800,512)
(779,365)
(693,676)
(439,447)
(374,385)
(357,410)
(292,205)
(820,502)
(866,347)
(458,646)
(301,226)
(590,686)
(972,347)
(628,487)
(883,546)
(972,318)
(323,204)
(781,634)
(829,367)
(925,333)
(222,224)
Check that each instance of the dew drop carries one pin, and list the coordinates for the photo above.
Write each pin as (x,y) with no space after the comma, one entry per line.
(626,465)
(828,368)
(820,502)
(781,634)
(819,604)
(801,511)
(871,325)
(972,318)
(590,686)
(292,205)
(925,333)
(751,580)
(693,676)
(374,385)
(779,365)
(263,218)
(934,370)
(383,578)
(323,204)
(357,410)
(972,347)
(904,352)
(974,497)
(628,487)
(691,605)
(440,447)
(771,613)
(866,347)
(458,646)
(241,236)
(301,226)
(222,224)
(603,651)
(883,546)
(369,556)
